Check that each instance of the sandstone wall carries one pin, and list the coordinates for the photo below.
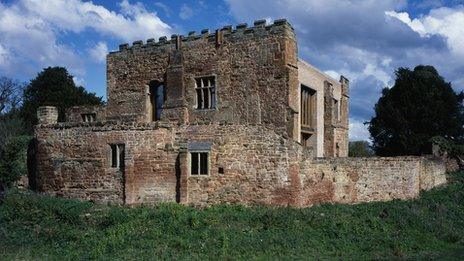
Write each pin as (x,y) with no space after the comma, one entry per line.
(353,180)
(74,162)
(248,164)
(255,68)
(74,114)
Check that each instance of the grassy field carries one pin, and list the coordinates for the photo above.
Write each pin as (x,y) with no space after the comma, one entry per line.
(38,227)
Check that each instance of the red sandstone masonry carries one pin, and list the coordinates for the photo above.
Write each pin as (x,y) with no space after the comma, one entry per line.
(260,167)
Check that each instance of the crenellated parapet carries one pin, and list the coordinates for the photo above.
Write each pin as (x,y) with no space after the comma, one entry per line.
(260,28)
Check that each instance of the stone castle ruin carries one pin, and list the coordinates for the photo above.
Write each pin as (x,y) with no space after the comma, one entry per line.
(232,116)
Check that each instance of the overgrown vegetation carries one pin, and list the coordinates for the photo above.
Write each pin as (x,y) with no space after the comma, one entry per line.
(13,160)
(38,227)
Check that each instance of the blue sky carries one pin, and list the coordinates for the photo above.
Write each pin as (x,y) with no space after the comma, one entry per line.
(363,40)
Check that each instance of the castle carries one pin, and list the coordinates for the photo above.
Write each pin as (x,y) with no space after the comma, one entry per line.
(232,116)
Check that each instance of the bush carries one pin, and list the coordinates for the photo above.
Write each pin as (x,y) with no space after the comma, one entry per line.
(13,163)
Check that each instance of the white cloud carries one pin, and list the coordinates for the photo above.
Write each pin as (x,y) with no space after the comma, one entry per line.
(404,17)
(444,21)
(30,31)
(358,131)
(99,52)
(185,12)
(78,81)
(133,23)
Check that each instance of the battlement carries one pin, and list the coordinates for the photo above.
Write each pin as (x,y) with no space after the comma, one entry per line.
(260,28)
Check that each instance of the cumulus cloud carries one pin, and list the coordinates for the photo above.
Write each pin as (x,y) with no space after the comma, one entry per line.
(31,31)
(185,12)
(98,52)
(134,21)
(366,41)
(444,21)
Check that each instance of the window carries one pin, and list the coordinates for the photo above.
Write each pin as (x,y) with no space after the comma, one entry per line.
(199,163)
(205,88)
(336,110)
(157,97)
(117,156)
(89,117)
(308,107)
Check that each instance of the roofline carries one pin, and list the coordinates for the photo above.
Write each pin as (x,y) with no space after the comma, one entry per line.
(318,71)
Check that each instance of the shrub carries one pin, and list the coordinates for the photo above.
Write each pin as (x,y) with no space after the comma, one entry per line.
(13,162)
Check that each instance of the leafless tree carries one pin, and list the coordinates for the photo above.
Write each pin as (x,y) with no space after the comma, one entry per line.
(10,94)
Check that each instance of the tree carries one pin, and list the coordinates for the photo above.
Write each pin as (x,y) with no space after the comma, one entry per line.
(360,148)
(419,106)
(10,99)
(54,86)
(10,95)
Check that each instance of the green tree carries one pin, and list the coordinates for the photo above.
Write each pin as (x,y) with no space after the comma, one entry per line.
(13,162)
(360,148)
(54,86)
(419,106)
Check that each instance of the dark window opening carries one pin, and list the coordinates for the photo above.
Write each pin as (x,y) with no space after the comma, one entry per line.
(157,98)
(194,164)
(306,139)
(199,163)
(308,107)
(117,156)
(205,92)
(221,170)
(336,110)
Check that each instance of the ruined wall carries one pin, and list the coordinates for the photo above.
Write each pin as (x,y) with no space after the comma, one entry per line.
(248,164)
(353,180)
(73,161)
(74,114)
(255,69)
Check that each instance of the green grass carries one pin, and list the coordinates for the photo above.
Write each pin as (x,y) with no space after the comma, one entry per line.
(39,227)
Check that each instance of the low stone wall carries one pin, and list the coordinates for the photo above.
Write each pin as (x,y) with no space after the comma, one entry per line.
(248,164)
(353,180)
